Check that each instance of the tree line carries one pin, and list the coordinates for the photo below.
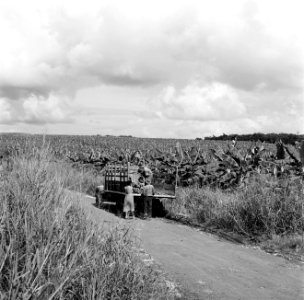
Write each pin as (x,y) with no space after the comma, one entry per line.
(286,138)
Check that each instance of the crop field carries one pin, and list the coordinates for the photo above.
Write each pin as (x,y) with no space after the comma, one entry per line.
(195,162)
(252,188)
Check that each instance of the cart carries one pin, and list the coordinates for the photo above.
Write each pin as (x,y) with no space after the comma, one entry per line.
(112,194)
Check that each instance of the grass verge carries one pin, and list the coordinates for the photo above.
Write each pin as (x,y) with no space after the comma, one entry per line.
(50,250)
(268,211)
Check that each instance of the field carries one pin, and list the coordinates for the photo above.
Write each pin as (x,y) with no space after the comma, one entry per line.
(216,164)
(251,189)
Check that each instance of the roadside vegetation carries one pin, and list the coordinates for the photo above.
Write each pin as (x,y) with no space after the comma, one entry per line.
(50,250)
(76,179)
(251,189)
(268,211)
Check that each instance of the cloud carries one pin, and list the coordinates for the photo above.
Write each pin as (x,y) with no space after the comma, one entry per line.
(214,109)
(60,50)
(49,110)
(213,101)
(36,110)
(206,61)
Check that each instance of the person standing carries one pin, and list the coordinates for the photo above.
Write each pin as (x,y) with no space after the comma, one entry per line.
(128,207)
(141,183)
(147,194)
(138,201)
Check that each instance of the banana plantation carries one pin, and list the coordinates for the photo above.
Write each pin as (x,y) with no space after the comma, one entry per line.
(222,164)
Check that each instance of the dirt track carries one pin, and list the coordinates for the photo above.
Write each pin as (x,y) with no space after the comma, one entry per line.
(205,267)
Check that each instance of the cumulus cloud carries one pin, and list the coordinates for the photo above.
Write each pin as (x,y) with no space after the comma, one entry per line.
(68,51)
(213,109)
(206,61)
(36,110)
(42,111)
(215,101)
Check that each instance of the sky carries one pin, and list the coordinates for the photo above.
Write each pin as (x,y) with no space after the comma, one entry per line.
(170,69)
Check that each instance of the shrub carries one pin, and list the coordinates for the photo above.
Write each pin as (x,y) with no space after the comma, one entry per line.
(264,207)
(272,207)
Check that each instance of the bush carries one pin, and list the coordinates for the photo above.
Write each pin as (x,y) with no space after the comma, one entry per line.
(264,207)
(271,207)
(49,249)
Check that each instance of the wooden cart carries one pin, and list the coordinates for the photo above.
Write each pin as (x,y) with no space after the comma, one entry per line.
(112,192)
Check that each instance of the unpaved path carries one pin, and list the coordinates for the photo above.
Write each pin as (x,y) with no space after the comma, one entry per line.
(205,267)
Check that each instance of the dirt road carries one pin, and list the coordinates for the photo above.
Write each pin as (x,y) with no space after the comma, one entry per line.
(205,267)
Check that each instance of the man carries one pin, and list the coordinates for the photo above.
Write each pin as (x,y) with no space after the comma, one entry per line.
(138,201)
(145,171)
(147,194)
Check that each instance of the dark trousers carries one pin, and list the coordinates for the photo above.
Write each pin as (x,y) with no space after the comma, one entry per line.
(148,206)
(139,206)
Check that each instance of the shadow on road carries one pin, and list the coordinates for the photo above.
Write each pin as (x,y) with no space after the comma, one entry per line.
(114,205)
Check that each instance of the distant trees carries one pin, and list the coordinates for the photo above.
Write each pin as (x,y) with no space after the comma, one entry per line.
(286,138)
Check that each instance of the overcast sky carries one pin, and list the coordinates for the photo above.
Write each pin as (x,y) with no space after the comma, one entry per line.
(152,68)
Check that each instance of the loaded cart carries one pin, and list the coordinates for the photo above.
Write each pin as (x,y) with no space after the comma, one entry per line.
(112,192)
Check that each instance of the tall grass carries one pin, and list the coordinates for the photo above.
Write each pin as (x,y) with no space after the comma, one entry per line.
(76,179)
(49,249)
(264,207)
